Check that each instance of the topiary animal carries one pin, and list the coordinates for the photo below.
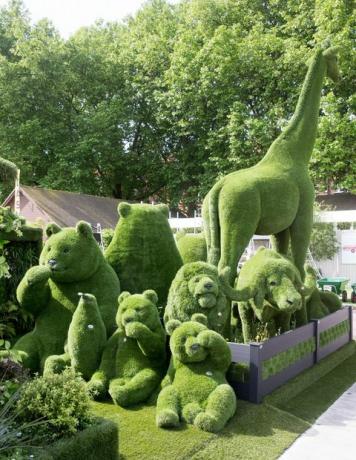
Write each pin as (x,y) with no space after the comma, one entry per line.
(195,389)
(192,247)
(275,291)
(70,262)
(276,196)
(197,288)
(134,359)
(143,251)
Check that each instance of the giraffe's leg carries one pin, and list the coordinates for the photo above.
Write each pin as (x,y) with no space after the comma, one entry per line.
(206,225)
(280,241)
(300,232)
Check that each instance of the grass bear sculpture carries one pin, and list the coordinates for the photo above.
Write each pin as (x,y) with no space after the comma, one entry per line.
(275,291)
(134,359)
(86,340)
(274,197)
(143,251)
(192,247)
(195,389)
(197,289)
(71,262)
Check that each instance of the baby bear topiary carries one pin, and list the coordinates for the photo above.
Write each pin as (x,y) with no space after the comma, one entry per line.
(197,288)
(134,359)
(192,248)
(195,389)
(143,251)
(71,262)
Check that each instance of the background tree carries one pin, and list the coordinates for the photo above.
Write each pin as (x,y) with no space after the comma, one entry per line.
(162,104)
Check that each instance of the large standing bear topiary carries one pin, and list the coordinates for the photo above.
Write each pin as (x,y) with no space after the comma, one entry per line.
(134,359)
(195,389)
(274,197)
(71,262)
(143,251)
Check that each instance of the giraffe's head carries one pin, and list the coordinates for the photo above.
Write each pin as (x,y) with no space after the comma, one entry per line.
(332,69)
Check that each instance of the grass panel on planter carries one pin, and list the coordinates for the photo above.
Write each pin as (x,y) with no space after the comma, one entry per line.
(334,332)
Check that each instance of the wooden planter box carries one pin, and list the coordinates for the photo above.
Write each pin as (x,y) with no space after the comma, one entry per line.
(98,441)
(262,367)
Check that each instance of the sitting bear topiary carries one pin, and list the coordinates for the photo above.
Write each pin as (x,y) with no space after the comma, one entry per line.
(195,389)
(191,247)
(197,288)
(70,262)
(143,251)
(134,359)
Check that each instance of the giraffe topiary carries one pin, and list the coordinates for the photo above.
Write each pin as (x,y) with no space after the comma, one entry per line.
(274,197)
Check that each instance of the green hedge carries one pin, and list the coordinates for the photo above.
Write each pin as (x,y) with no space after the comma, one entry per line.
(98,442)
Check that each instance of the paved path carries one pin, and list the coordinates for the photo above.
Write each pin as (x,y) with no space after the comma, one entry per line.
(333,435)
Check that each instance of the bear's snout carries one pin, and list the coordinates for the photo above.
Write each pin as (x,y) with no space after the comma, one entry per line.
(52,263)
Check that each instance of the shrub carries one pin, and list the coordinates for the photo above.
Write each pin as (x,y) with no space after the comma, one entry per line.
(107,235)
(61,400)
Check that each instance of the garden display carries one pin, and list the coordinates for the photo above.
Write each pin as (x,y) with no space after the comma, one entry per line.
(276,196)
(143,251)
(195,389)
(192,247)
(71,262)
(134,359)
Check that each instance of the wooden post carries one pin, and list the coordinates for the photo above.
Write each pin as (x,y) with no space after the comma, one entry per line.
(17,206)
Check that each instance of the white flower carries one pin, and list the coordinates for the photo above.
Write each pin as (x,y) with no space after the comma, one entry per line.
(90,326)
(209,373)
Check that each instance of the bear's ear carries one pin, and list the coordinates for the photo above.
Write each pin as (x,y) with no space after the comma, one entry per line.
(164,209)
(52,228)
(172,325)
(151,295)
(123,296)
(200,318)
(84,229)
(180,234)
(124,209)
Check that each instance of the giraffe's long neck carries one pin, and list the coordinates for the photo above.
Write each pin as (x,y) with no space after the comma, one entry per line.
(296,142)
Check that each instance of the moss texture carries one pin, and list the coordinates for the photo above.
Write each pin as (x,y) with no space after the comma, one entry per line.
(275,293)
(8,170)
(274,197)
(143,251)
(134,359)
(322,303)
(334,332)
(197,289)
(192,247)
(195,389)
(71,262)
(99,441)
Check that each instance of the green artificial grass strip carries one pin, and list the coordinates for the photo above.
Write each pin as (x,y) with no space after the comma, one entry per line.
(334,332)
(285,359)
(141,439)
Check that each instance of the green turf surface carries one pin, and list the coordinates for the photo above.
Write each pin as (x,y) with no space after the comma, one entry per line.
(256,432)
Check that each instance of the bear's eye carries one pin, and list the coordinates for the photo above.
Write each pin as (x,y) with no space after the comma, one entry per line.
(272,283)
(196,280)
(66,250)
(49,248)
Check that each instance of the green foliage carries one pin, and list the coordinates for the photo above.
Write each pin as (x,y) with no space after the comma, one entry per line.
(107,236)
(163,103)
(323,241)
(61,400)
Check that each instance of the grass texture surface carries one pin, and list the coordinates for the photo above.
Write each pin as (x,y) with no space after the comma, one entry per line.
(255,432)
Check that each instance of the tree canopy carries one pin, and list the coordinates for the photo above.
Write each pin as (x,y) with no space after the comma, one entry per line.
(162,104)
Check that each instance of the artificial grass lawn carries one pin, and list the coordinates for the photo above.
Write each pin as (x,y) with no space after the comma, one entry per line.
(256,431)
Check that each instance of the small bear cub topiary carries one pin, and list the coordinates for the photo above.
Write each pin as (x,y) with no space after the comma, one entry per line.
(195,389)
(134,358)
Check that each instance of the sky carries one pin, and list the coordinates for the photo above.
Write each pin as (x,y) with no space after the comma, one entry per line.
(69,15)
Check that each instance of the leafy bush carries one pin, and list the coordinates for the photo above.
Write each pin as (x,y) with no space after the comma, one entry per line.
(62,400)
(12,376)
(323,241)
(107,235)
